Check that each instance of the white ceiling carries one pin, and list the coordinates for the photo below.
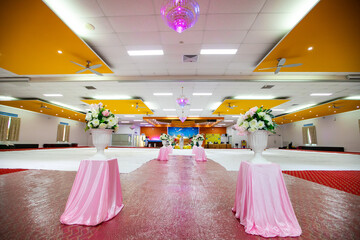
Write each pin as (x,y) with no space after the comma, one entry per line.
(253,27)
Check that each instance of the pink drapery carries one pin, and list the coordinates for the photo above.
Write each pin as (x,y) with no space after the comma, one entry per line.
(262,202)
(164,153)
(200,154)
(96,195)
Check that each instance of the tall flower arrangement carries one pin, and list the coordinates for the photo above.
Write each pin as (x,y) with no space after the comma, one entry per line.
(164,137)
(100,118)
(255,119)
(199,137)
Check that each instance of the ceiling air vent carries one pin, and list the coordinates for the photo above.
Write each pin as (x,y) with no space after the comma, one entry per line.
(267,86)
(90,87)
(190,58)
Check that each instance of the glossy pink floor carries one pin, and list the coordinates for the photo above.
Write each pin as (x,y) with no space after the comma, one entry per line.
(177,199)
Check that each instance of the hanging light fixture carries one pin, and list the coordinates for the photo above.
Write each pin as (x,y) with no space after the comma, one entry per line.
(182,100)
(180,14)
(182,118)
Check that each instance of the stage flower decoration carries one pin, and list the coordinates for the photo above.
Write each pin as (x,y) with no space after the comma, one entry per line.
(255,119)
(164,137)
(100,118)
(199,137)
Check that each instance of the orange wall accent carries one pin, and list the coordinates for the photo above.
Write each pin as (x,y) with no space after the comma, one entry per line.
(213,130)
(153,132)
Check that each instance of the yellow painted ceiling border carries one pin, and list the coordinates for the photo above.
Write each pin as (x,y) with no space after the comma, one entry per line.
(43,107)
(32,35)
(322,110)
(123,106)
(330,28)
(243,105)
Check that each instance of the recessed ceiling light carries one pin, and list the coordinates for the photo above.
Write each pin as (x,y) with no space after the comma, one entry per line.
(59,51)
(40,110)
(112,97)
(320,94)
(353,98)
(255,97)
(169,110)
(129,116)
(56,114)
(162,94)
(310,48)
(218,51)
(145,52)
(125,121)
(202,94)
(196,110)
(21,106)
(52,95)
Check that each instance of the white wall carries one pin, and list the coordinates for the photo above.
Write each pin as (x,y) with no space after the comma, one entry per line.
(40,128)
(338,130)
(235,137)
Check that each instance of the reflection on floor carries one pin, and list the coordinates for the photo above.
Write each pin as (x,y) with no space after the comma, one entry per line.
(178,199)
(130,159)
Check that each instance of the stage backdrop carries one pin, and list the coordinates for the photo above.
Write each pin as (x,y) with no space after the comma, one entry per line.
(186,132)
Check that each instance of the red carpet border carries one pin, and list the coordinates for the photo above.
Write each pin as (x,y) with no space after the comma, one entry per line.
(6,171)
(347,181)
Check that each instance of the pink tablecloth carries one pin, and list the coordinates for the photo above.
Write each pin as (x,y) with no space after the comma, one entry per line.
(200,154)
(96,195)
(164,153)
(262,202)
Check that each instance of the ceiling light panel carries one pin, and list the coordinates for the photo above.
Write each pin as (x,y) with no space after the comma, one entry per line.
(145,52)
(202,94)
(53,95)
(169,110)
(218,51)
(320,94)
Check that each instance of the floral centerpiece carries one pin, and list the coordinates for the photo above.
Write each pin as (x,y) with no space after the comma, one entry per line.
(164,137)
(255,119)
(98,117)
(257,122)
(199,137)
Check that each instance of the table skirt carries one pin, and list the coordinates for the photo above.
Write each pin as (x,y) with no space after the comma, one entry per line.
(262,202)
(96,195)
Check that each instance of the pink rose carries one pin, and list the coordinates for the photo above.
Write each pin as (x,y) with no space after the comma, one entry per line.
(105,113)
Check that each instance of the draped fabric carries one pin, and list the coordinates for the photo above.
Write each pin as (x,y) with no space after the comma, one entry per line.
(309,135)
(164,153)
(200,154)
(14,129)
(262,202)
(96,195)
(4,121)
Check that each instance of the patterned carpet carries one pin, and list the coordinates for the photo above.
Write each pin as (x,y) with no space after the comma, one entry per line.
(6,170)
(347,181)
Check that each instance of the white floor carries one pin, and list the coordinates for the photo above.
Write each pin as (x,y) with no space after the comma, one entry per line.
(130,159)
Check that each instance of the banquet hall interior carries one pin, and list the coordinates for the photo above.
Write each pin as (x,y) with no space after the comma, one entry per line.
(58,59)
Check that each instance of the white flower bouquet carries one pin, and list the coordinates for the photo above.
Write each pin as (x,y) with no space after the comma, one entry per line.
(100,118)
(255,119)
(199,137)
(164,137)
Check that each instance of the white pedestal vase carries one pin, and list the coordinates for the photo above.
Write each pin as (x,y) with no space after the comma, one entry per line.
(258,141)
(101,139)
(200,143)
(164,143)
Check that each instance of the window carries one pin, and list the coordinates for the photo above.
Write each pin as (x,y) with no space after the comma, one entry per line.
(309,135)
(9,128)
(63,133)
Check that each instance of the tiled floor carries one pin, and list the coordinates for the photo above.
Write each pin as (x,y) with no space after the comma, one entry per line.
(178,199)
